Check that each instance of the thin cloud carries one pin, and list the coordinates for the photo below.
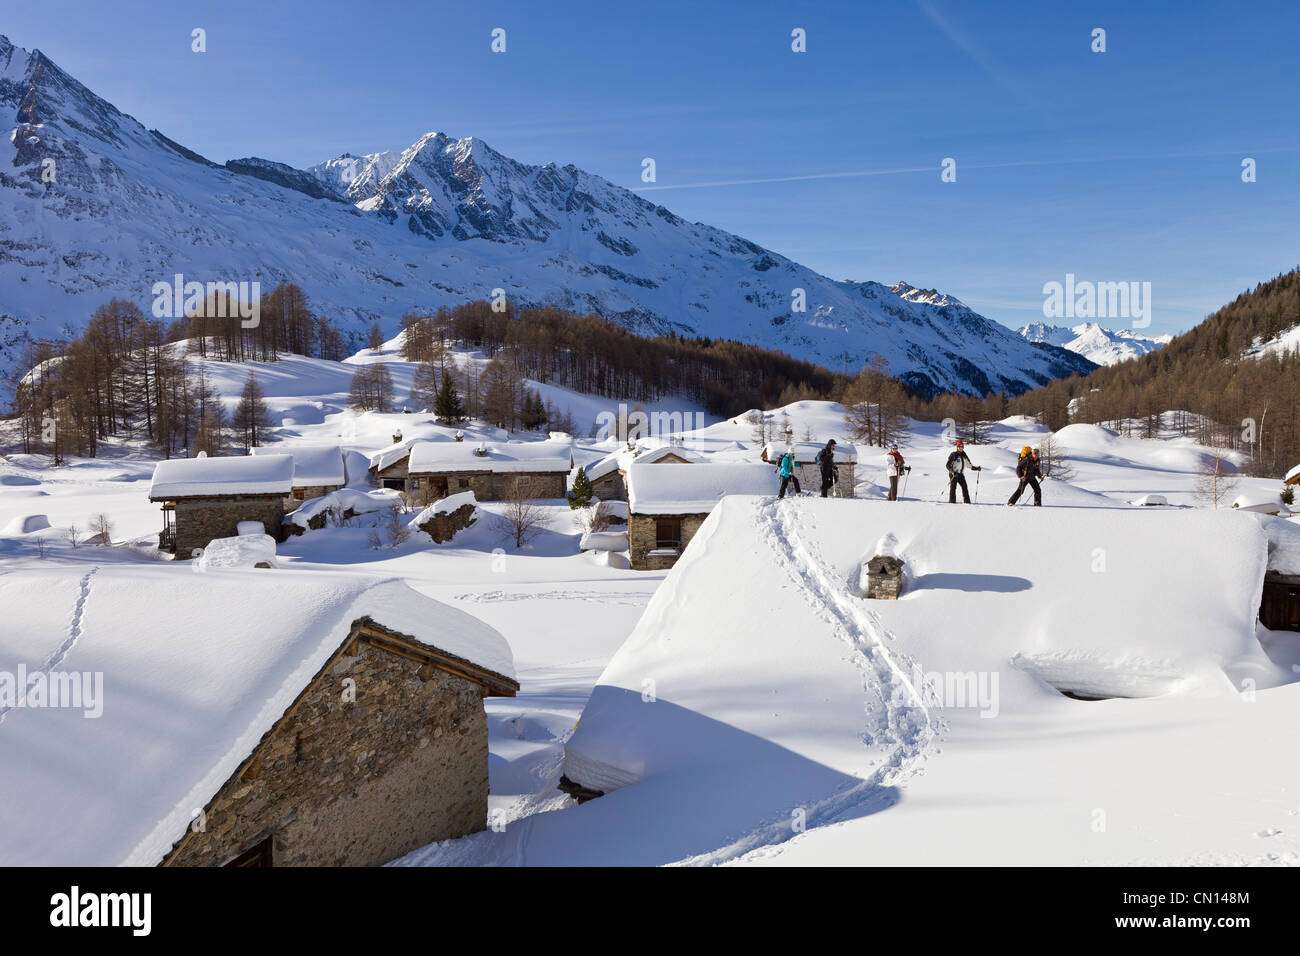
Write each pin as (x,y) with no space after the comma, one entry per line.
(982,58)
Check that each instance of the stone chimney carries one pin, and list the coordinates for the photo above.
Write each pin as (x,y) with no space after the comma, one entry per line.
(883,575)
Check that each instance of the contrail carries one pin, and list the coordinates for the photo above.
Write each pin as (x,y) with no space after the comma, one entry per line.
(934,168)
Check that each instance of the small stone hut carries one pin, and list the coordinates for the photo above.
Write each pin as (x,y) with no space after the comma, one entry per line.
(809,472)
(207,498)
(666,506)
(296,719)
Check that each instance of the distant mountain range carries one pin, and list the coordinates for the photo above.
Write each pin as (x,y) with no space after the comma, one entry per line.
(442,222)
(1098,345)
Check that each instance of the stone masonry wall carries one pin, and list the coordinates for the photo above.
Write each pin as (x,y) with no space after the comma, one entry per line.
(199,520)
(609,487)
(641,540)
(495,487)
(357,784)
(810,478)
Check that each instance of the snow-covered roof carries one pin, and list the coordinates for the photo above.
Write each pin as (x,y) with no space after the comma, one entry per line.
(621,459)
(179,715)
(395,453)
(1293,473)
(245,475)
(1174,608)
(807,451)
(1264,502)
(433,457)
(662,490)
(312,464)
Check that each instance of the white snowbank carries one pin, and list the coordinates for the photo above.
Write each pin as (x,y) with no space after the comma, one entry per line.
(246,475)
(180,713)
(1261,501)
(26,524)
(245,551)
(603,541)
(1151,500)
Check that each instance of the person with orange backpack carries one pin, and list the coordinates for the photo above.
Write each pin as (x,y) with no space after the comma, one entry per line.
(1028,471)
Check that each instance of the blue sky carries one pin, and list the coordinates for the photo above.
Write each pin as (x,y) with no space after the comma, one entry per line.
(1115,166)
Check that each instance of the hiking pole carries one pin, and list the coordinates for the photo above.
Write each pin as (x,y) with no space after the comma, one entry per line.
(906,474)
(977,485)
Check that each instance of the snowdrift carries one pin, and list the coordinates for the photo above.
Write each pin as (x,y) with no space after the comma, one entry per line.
(758,645)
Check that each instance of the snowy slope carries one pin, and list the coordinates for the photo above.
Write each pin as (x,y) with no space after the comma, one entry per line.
(1098,345)
(444,221)
(179,715)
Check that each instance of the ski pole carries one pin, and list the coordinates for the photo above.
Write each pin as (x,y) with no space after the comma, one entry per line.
(977,487)
(906,474)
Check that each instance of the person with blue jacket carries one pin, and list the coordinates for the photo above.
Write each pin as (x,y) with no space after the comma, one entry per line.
(786,470)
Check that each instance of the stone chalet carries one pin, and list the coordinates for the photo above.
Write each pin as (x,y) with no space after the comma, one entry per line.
(317,470)
(608,476)
(389,466)
(809,472)
(492,470)
(207,498)
(288,719)
(666,506)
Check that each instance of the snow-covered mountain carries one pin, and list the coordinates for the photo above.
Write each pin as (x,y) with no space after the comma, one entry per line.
(1098,345)
(94,205)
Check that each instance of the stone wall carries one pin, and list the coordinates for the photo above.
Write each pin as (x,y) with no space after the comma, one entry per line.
(810,478)
(609,487)
(199,520)
(397,471)
(309,492)
(641,540)
(356,784)
(488,486)
(444,527)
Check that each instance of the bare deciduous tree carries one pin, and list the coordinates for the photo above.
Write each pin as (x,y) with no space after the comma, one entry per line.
(1216,477)
(101,527)
(524,517)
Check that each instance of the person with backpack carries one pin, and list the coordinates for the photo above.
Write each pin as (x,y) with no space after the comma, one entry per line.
(958,462)
(786,470)
(894,468)
(826,461)
(1028,470)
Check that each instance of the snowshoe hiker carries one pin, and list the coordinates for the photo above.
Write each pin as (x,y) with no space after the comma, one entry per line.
(786,470)
(826,461)
(894,469)
(1028,471)
(958,462)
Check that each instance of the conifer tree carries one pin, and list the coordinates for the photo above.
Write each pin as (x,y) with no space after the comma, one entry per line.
(447,406)
(581,493)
